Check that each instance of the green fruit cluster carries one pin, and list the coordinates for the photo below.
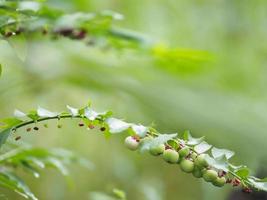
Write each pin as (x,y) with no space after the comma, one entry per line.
(190,162)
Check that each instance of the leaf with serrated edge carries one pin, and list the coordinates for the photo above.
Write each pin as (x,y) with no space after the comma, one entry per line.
(202,147)
(219,152)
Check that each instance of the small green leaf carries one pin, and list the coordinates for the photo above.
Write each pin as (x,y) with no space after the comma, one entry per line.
(116,125)
(9,122)
(33,115)
(120,194)
(13,182)
(190,140)
(4,134)
(219,152)
(0,69)
(41,112)
(202,147)
(242,172)
(173,144)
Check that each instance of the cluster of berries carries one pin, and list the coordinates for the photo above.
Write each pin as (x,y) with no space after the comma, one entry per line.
(189,161)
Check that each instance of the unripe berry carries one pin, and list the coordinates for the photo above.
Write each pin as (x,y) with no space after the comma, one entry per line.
(131,143)
(170,156)
(200,161)
(210,175)
(187,165)
(157,150)
(184,151)
(219,181)
(197,172)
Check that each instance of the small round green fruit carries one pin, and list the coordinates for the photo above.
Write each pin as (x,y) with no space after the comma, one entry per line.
(170,156)
(157,150)
(200,161)
(197,172)
(187,165)
(131,143)
(184,152)
(219,181)
(210,175)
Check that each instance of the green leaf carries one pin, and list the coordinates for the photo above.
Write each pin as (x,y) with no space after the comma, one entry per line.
(242,172)
(9,122)
(140,130)
(13,182)
(4,135)
(116,125)
(120,194)
(190,140)
(219,152)
(30,169)
(0,69)
(57,164)
(173,144)
(41,112)
(202,147)
(33,115)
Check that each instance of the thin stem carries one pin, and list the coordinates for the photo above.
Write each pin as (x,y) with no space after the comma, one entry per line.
(45,119)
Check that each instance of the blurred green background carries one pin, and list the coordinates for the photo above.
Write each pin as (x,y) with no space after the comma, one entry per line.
(224,99)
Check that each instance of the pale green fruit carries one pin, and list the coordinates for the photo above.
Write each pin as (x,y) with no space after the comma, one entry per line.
(184,151)
(170,156)
(200,161)
(197,172)
(131,143)
(219,181)
(157,150)
(210,175)
(187,165)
